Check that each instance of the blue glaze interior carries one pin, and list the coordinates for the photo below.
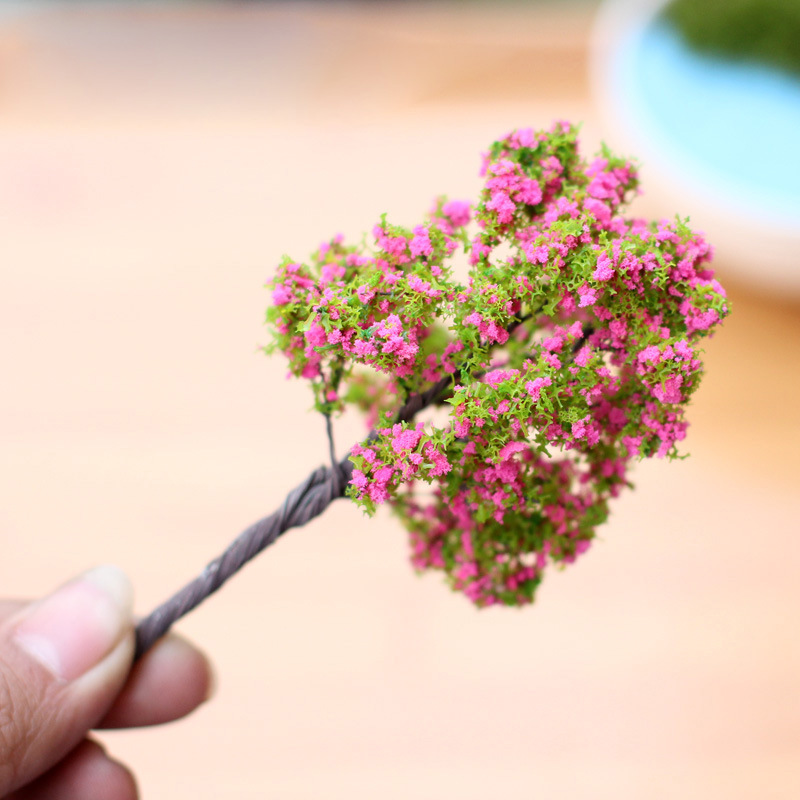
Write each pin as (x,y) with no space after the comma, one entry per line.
(734,126)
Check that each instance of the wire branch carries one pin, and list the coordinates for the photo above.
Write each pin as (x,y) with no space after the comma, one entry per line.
(305,502)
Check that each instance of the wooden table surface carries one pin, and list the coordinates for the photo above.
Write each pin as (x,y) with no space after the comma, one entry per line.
(155,163)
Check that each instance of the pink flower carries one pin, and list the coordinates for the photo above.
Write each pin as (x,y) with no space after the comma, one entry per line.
(441,465)
(423,287)
(364,348)
(537,255)
(512,447)
(505,207)
(473,319)
(458,212)
(421,243)
(588,296)
(650,354)
(553,343)
(530,192)
(671,390)
(551,359)
(359,479)
(683,350)
(384,475)
(365,293)
(604,271)
(497,376)
(281,295)
(405,440)
(315,335)
(598,209)
(583,356)
(534,387)
(702,321)
(524,137)
(461,428)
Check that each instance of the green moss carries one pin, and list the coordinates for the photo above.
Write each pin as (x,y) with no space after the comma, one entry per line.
(767,31)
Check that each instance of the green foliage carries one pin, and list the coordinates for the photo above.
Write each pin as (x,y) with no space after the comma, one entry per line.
(766,31)
(570,350)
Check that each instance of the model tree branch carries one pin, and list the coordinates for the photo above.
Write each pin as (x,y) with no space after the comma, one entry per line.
(568,350)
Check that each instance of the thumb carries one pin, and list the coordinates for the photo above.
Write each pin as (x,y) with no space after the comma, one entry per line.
(63,660)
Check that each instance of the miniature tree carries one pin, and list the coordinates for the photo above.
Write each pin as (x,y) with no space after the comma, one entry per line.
(570,350)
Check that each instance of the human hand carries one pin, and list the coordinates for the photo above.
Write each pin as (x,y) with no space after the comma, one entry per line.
(65,668)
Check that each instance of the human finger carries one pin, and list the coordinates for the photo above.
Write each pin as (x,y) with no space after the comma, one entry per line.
(87,773)
(63,660)
(169,682)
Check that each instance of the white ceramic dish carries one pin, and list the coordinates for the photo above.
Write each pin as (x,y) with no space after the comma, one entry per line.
(718,141)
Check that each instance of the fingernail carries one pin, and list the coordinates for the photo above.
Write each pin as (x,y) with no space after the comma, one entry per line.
(73,629)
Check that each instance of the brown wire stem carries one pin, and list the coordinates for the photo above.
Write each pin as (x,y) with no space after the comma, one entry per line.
(302,504)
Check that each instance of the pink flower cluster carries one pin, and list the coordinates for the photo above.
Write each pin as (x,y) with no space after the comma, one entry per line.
(369,309)
(412,456)
(571,350)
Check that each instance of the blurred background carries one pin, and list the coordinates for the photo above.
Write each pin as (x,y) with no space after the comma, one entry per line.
(158,159)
